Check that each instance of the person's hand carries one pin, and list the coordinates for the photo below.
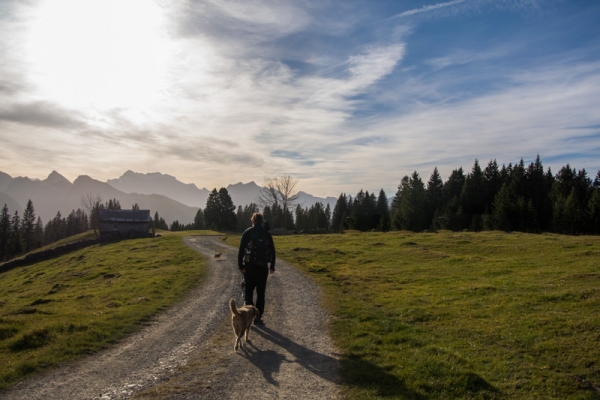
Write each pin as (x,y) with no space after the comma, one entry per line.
(243,271)
(272,271)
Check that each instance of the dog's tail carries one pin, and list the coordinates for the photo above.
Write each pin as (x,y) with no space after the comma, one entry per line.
(233,307)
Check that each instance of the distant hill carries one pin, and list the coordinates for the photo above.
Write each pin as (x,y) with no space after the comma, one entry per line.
(172,199)
(189,194)
(166,185)
(57,194)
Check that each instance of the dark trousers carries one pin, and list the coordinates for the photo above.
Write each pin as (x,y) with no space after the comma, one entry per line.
(256,278)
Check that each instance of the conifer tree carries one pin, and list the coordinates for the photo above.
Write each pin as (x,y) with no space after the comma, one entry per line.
(473,193)
(15,236)
(340,212)
(4,232)
(593,212)
(408,207)
(219,213)
(27,227)
(451,218)
(199,219)
(382,212)
(434,194)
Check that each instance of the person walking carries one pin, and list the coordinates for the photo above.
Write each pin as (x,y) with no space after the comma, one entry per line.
(256,259)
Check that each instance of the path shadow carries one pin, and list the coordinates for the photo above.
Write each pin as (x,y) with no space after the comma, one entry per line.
(267,361)
(319,364)
(359,372)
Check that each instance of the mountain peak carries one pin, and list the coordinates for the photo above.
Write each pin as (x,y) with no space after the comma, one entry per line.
(56,178)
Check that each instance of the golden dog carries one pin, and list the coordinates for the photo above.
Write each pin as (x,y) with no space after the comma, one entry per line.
(241,321)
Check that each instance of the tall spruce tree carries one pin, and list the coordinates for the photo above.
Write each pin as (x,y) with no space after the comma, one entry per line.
(219,213)
(408,207)
(434,193)
(452,218)
(340,212)
(472,198)
(15,236)
(382,212)
(27,227)
(4,233)
(199,219)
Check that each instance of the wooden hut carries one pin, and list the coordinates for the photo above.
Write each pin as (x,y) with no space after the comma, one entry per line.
(125,223)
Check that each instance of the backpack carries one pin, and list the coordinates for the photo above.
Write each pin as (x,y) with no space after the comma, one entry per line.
(260,251)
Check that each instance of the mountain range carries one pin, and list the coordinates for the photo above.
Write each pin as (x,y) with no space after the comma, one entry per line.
(172,199)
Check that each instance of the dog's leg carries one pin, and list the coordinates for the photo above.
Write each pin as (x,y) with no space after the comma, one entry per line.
(247,333)
(238,341)
(238,336)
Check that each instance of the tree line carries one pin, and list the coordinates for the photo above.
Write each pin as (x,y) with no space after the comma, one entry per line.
(510,197)
(22,234)
(516,197)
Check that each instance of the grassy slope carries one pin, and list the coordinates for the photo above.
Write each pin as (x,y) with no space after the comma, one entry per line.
(447,315)
(60,309)
(460,315)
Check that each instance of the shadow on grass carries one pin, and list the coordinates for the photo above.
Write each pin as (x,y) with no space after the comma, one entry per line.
(322,365)
(362,374)
(368,376)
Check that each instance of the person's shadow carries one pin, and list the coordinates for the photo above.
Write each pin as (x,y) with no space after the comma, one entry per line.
(322,365)
(269,361)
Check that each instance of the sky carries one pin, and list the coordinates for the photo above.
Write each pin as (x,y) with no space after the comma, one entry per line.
(341,95)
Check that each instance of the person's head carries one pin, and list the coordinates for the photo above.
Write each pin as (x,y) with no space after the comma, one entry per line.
(257,219)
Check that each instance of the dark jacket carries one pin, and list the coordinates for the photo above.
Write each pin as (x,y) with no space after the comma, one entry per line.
(246,236)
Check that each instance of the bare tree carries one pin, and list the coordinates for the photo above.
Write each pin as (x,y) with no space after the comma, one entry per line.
(279,192)
(92,203)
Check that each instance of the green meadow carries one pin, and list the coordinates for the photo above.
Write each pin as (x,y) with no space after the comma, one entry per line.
(78,303)
(445,315)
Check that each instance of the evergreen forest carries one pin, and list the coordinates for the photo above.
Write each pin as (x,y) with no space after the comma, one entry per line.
(517,197)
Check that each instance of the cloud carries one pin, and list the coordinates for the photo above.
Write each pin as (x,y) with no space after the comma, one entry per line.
(42,114)
(428,8)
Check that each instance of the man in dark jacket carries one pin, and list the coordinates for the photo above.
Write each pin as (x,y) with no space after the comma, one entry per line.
(256,258)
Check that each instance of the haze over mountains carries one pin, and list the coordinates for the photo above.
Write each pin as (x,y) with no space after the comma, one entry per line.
(172,199)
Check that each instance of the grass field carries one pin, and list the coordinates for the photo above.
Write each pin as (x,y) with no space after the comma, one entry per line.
(69,306)
(459,315)
(443,315)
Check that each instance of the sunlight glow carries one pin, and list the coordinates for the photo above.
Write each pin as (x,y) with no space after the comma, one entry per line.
(101,54)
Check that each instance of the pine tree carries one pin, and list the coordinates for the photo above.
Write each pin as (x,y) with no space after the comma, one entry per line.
(27,227)
(383,212)
(219,213)
(199,220)
(472,197)
(4,233)
(451,217)
(434,194)
(38,233)
(593,212)
(15,236)
(538,188)
(301,218)
(492,182)
(408,207)
(340,211)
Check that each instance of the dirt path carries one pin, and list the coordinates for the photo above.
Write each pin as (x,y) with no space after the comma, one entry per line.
(187,352)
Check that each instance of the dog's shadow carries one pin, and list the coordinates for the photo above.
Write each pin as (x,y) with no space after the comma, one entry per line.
(269,361)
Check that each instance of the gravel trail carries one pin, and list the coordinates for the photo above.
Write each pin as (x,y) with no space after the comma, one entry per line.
(187,351)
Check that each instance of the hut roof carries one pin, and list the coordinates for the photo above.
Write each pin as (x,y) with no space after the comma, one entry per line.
(125,215)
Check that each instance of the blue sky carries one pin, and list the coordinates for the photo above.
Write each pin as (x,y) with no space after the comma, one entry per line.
(342,95)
